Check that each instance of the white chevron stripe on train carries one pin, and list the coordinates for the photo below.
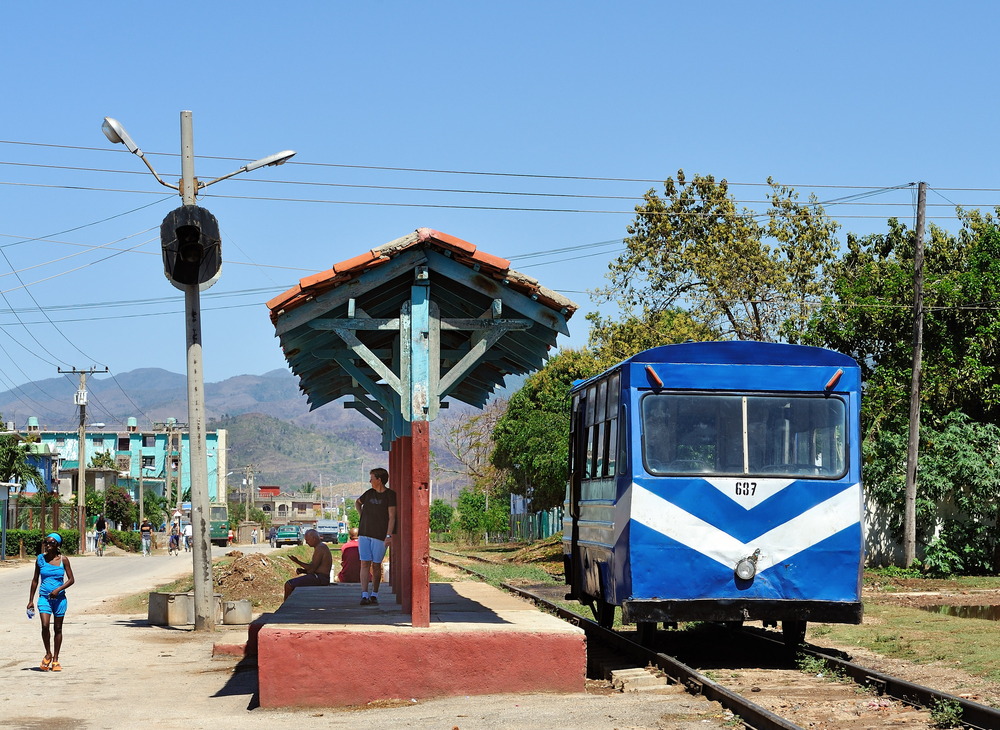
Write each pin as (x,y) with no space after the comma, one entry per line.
(801,532)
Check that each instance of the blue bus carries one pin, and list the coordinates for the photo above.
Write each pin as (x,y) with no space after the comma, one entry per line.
(718,481)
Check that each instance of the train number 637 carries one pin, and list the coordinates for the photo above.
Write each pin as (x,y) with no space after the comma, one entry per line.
(745,489)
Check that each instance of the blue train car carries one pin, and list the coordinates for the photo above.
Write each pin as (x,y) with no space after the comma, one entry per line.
(718,481)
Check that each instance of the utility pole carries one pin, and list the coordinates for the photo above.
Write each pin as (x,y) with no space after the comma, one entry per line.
(172,455)
(192,261)
(251,490)
(913,443)
(80,399)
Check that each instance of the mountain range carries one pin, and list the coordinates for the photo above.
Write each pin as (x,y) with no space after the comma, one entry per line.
(269,424)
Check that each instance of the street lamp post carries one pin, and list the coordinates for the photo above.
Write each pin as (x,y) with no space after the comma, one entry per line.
(189,255)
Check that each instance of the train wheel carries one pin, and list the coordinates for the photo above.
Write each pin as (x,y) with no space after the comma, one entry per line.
(646,631)
(794,633)
(604,613)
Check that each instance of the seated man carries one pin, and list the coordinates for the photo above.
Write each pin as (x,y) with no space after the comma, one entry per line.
(350,562)
(317,571)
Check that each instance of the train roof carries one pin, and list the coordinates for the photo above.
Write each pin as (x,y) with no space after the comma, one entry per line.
(736,352)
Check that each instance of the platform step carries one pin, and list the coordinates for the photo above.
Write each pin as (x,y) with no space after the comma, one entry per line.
(638,680)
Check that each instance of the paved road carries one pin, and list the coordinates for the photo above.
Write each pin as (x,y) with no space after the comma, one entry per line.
(119,672)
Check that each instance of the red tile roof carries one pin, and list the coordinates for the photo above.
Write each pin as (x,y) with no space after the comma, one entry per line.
(459,250)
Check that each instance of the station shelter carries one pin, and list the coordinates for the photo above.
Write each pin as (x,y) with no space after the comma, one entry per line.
(396,330)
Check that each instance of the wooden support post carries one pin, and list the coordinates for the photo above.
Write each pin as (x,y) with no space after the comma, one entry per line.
(394,482)
(406,528)
(419,522)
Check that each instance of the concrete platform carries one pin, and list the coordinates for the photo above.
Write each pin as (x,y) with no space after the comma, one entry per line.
(323,649)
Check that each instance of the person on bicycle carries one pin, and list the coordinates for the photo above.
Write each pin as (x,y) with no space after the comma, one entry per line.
(100,532)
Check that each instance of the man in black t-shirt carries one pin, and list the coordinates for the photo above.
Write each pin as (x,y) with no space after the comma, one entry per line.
(100,531)
(377,508)
(146,533)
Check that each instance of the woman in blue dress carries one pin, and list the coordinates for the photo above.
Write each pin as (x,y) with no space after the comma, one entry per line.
(53,570)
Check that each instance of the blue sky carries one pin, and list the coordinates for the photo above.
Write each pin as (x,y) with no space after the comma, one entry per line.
(391,104)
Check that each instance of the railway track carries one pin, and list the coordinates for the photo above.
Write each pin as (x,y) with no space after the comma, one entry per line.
(859,698)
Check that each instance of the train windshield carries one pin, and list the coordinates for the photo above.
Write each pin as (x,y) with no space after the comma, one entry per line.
(762,435)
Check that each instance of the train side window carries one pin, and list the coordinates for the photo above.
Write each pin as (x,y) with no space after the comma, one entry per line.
(600,451)
(614,386)
(591,396)
(574,435)
(602,402)
(611,447)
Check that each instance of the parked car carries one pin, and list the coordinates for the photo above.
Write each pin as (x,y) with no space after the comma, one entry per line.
(287,535)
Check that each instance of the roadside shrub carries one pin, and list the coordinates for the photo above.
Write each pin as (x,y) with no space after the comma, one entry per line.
(126,540)
(33,541)
(961,548)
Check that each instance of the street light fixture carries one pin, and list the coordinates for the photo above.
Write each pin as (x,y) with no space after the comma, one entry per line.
(116,134)
(192,261)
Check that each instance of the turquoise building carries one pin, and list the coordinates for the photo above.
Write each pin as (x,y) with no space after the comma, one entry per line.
(148,457)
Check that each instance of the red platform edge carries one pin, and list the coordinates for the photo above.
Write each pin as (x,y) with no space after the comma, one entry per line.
(304,667)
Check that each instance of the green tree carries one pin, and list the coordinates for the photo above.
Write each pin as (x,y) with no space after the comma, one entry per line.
(103,460)
(615,340)
(741,276)
(258,515)
(441,514)
(14,464)
(479,516)
(869,317)
(93,501)
(307,488)
(532,436)
(155,507)
(120,507)
(353,516)
(958,485)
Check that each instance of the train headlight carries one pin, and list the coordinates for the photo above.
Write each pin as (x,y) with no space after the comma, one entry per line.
(746,569)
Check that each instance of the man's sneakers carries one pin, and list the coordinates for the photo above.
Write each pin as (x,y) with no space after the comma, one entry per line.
(373,600)
(365,600)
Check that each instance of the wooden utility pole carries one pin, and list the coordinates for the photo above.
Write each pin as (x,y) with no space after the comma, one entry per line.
(80,399)
(913,444)
(250,490)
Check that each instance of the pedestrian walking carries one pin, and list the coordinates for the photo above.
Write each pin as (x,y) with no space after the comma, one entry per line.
(53,571)
(146,533)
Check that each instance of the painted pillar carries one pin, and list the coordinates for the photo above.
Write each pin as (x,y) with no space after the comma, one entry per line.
(419,521)
(416,459)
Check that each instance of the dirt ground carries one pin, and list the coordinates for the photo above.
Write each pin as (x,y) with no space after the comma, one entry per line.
(254,577)
(922,592)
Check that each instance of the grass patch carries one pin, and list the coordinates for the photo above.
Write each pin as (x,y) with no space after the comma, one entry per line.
(911,634)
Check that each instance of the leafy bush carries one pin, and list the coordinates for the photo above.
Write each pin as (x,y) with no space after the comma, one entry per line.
(33,541)
(960,549)
(126,540)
